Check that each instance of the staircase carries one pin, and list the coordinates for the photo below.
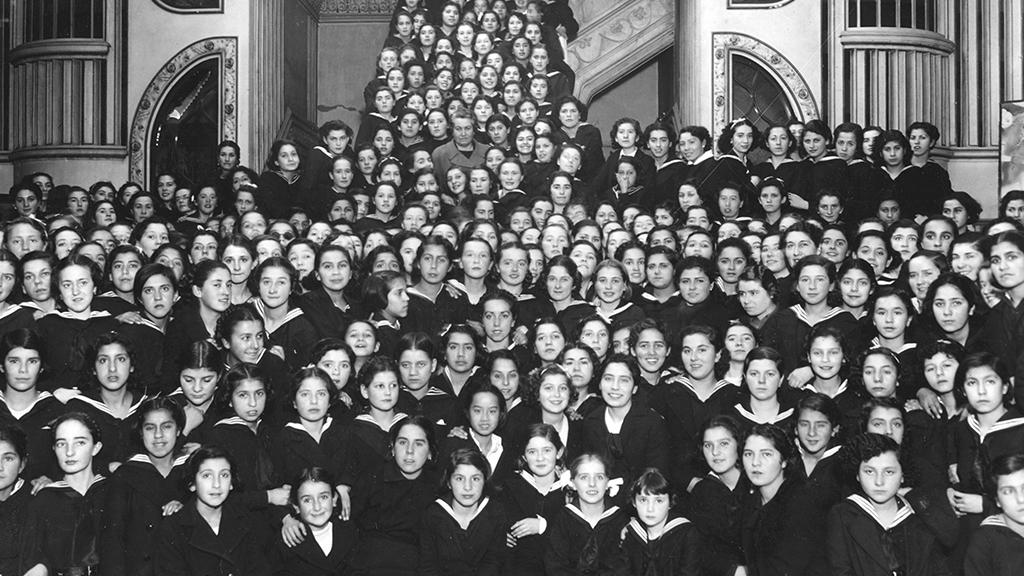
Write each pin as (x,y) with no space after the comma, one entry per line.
(615,38)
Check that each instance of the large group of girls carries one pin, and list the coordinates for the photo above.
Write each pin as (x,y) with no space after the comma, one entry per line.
(464,341)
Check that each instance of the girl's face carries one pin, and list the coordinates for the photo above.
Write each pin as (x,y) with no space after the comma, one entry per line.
(880,477)
(825,357)
(762,461)
(887,422)
(287,158)
(813,285)
(157,296)
(411,450)
(771,254)
(215,293)
(834,246)
(484,413)
(690,146)
(476,259)
(940,372)
(252,225)
(743,138)
(303,258)
(651,350)
(609,285)
(893,154)
(1010,495)
(889,212)
(739,340)
(815,144)
(415,368)
(698,245)
(198,384)
(868,145)
(652,509)
(541,456)
(731,263)
(595,334)
(720,449)
(361,338)
(814,430)
(65,242)
(579,366)
(699,356)
(754,299)
(880,376)
(249,400)
(625,136)
(984,390)
(246,342)
(873,251)
(105,214)
(956,212)
(855,288)
(891,317)
(21,368)
(159,433)
(553,394)
(212,483)
(905,241)
(76,288)
(74,446)
(966,260)
(467,485)
(1007,262)
(763,378)
(113,366)
(460,353)
(770,199)
(921,273)
(338,365)
(239,263)
(778,141)
(591,481)
(275,287)
(617,385)
(315,503)
(312,399)
(549,342)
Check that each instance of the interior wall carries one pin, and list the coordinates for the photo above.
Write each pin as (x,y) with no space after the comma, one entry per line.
(347,54)
(299,59)
(635,96)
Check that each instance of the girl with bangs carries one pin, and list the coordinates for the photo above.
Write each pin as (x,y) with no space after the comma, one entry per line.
(274,281)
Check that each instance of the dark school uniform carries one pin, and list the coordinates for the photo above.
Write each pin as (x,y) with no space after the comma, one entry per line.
(523,499)
(684,412)
(438,406)
(995,550)
(201,433)
(16,316)
(293,449)
(588,138)
(277,195)
(786,330)
(665,182)
(430,314)
(387,509)
(702,171)
(827,173)
(251,452)
(575,547)
(448,548)
(113,304)
(625,315)
(295,335)
(500,457)
(676,552)
(184,328)
(188,546)
(135,501)
(13,513)
(307,558)
(328,320)
(641,443)
(745,417)
(117,434)
(778,536)
(63,526)
(972,450)
(717,512)
(35,422)
(859,542)
(66,339)
(148,345)
(368,444)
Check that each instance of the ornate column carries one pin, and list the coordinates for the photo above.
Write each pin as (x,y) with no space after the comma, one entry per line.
(266,84)
(690,93)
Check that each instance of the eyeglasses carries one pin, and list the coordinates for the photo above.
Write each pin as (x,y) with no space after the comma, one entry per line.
(286,236)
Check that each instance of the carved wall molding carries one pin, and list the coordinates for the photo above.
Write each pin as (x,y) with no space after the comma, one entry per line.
(192,6)
(757,4)
(725,44)
(357,7)
(225,49)
(625,38)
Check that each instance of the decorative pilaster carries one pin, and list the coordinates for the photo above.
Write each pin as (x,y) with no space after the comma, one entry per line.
(689,57)
(266,66)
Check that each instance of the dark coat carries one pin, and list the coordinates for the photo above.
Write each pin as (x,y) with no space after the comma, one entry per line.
(135,501)
(642,442)
(779,538)
(328,320)
(387,509)
(523,500)
(63,527)
(859,545)
(716,511)
(447,548)
(308,559)
(66,340)
(188,547)
(13,513)
(40,440)
(675,553)
(995,550)
(574,548)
